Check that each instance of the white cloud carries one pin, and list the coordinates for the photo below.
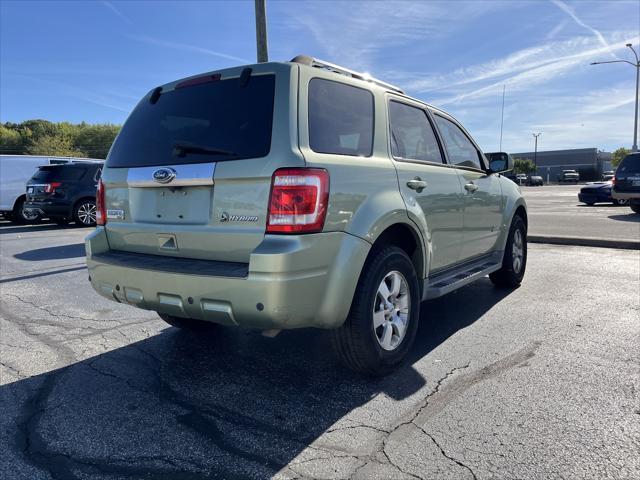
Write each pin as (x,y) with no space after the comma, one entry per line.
(116,11)
(569,11)
(185,47)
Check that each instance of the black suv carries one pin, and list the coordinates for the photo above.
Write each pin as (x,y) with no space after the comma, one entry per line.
(65,193)
(626,183)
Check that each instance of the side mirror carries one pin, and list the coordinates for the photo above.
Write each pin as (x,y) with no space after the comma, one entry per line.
(500,162)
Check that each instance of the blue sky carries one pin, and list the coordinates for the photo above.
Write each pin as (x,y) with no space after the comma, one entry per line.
(92,60)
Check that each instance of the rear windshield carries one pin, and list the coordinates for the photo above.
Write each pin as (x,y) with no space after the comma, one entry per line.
(59,174)
(630,164)
(218,120)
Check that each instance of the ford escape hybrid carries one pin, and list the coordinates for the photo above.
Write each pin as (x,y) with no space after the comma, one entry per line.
(301,194)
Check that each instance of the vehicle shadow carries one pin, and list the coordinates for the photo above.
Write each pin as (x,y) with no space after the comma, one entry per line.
(229,404)
(629,217)
(60,252)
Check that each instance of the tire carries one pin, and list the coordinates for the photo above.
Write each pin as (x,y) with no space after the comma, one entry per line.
(377,350)
(19,215)
(187,323)
(84,213)
(635,206)
(620,202)
(512,271)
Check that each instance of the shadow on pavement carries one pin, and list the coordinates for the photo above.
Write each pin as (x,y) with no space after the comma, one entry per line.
(228,404)
(629,217)
(60,252)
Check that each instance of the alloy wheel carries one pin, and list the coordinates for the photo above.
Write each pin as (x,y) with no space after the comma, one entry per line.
(391,310)
(517,251)
(87,213)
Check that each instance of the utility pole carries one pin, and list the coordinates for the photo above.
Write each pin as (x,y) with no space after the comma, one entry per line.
(535,152)
(261,31)
(502,116)
(634,148)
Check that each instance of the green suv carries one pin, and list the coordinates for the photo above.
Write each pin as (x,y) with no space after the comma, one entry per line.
(301,194)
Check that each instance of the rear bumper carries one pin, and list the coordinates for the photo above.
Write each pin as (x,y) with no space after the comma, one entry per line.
(50,209)
(290,282)
(625,195)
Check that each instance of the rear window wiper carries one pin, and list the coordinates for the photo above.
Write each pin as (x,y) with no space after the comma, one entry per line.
(182,149)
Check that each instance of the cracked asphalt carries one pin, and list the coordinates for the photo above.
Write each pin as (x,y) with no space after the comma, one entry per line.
(539,382)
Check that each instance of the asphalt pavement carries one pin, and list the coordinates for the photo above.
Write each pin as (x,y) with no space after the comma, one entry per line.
(538,382)
(554,210)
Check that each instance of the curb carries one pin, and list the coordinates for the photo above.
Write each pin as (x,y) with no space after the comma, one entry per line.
(586,241)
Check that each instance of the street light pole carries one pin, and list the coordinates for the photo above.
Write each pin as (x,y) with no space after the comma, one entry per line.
(261,31)
(535,152)
(634,148)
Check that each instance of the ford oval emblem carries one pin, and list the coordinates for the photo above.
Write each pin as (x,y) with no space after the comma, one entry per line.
(164,175)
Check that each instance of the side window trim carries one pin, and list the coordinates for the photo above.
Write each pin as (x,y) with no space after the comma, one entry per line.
(430,122)
(464,132)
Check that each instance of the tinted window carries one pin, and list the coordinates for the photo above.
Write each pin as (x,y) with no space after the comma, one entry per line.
(215,116)
(58,174)
(340,118)
(459,148)
(411,134)
(629,165)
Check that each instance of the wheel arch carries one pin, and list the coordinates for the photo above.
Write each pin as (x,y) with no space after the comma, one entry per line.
(20,198)
(83,197)
(406,237)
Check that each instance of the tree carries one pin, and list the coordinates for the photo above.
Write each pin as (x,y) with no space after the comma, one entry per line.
(523,165)
(618,155)
(41,137)
(53,145)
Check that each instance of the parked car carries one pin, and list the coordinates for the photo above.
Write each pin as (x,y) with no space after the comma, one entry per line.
(521,178)
(598,192)
(535,181)
(65,193)
(16,171)
(626,184)
(569,176)
(608,175)
(301,194)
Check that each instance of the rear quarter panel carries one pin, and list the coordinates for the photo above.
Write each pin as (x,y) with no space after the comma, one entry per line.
(364,196)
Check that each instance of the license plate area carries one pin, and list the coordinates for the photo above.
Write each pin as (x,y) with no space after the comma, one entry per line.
(635,183)
(175,206)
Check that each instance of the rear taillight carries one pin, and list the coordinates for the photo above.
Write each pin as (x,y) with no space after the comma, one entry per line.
(101,213)
(613,182)
(298,201)
(51,187)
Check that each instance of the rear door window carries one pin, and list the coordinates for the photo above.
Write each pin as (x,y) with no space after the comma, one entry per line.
(340,118)
(412,136)
(460,150)
(630,165)
(215,120)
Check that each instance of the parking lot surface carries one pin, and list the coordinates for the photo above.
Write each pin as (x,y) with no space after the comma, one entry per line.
(555,210)
(538,382)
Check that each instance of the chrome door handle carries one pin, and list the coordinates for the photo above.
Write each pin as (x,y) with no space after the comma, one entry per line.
(471,187)
(417,184)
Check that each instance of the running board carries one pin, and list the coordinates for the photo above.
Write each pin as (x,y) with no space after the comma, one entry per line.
(452,279)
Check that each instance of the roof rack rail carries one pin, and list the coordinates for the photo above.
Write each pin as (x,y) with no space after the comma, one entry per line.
(315,62)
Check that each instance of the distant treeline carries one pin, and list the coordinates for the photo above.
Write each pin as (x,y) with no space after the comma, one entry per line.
(41,137)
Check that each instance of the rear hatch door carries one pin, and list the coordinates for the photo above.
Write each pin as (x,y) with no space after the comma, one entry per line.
(190,173)
(628,174)
(53,182)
